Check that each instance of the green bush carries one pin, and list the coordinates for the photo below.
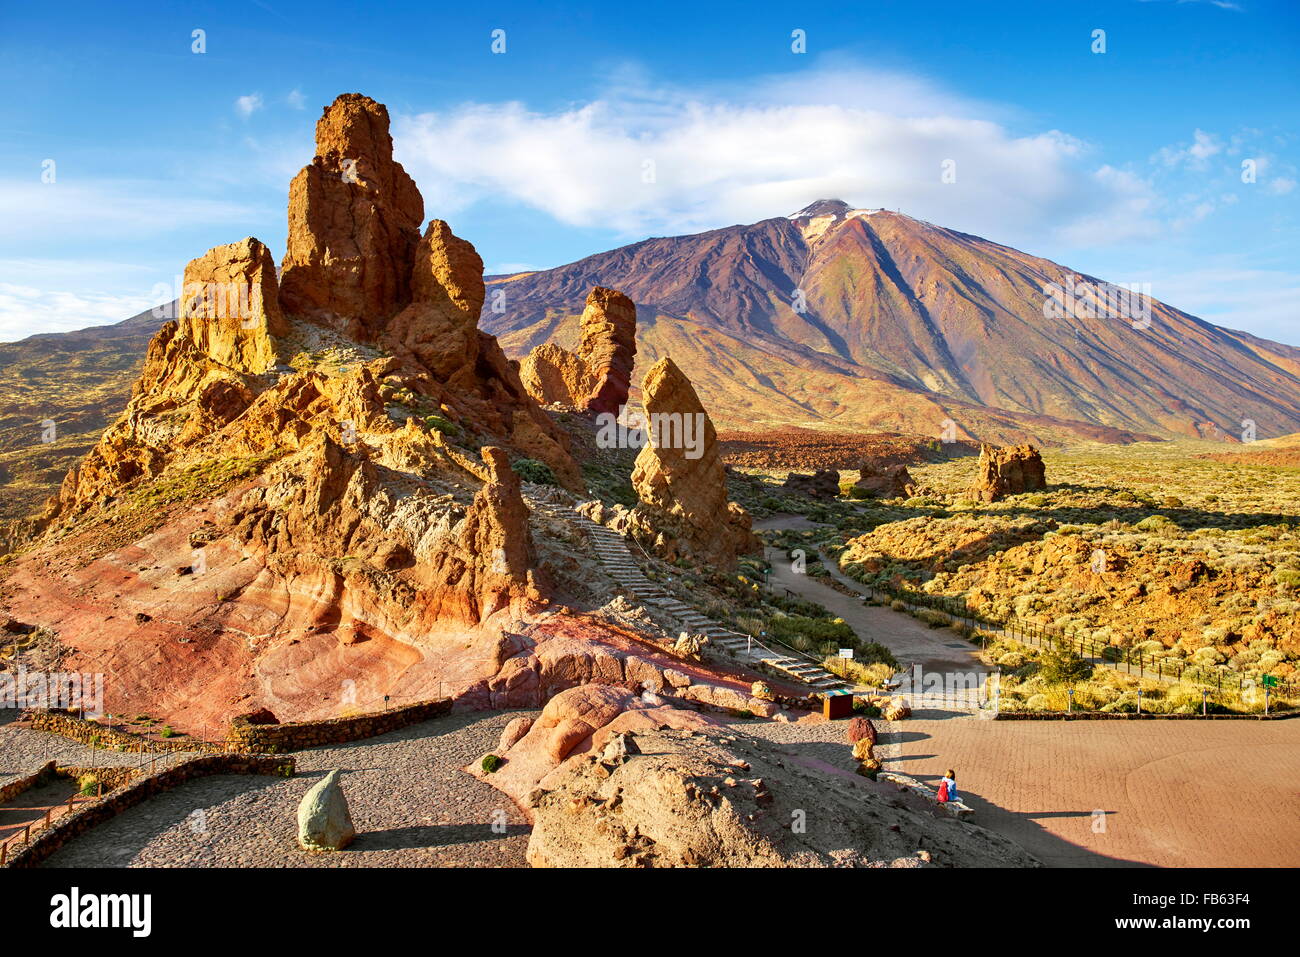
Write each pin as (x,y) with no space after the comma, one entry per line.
(490,763)
(539,473)
(1112,653)
(1060,665)
(437,423)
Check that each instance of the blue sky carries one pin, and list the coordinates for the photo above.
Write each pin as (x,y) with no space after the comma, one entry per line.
(1125,164)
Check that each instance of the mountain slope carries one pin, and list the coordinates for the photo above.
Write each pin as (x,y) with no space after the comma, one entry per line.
(905,324)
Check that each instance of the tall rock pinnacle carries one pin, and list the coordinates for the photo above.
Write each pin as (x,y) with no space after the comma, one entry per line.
(354,224)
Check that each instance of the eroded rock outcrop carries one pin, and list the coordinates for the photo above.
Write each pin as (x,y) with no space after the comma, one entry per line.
(680,479)
(824,483)
(354,224)
(1008,471)
(709,797)
(889,481)
(230,306)
(598,376)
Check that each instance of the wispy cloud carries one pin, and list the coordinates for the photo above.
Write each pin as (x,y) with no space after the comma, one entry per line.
(108,208)
(296,100)
(249,104)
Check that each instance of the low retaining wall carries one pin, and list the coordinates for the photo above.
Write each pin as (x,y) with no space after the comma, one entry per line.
(84,730)
(115,802)
(1133,716)
(11,789)
(245,738)
(296,735)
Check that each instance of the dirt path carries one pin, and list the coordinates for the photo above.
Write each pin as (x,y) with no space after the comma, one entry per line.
(913,643)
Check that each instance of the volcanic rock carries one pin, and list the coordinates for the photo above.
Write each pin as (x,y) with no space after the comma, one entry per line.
(824,483)
(679,476)
(230,308)
(598,376)
(440,326)
(354,224)
(324,821)
(1008,471)
(677,798)
(890,481)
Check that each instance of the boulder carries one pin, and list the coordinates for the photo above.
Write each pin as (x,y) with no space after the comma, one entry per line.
(1007,471)
(324,822)
(861,729)
(824,483)
(515,729)
(889,481)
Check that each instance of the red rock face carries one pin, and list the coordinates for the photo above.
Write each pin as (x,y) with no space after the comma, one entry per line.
(1008,471)
(354,224)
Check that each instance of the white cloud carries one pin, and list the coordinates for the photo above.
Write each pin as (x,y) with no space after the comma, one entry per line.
(1281,185)
(25,310)
(296,100)
(247,105)
(1195,155)
(645,159)
(106,208)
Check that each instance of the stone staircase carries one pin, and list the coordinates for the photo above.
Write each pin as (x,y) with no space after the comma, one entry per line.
(613,551)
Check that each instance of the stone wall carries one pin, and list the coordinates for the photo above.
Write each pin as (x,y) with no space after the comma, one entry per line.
(245,738)
(97,812)
(296,735)
(11,789)
(84,730)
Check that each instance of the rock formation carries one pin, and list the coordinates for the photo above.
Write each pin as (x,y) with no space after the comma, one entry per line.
(354,224)
(597,377)
(824,483)
(680,479)
(230,306)
(1008,471)
(889,481)
(324,821)
(709,797)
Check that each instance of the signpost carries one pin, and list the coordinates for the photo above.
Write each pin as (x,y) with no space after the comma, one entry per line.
(846,654)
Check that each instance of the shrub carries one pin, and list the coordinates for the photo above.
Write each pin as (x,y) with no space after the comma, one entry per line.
(1060,665)
(490,763)
(1112,653)
(1287,577)
(539,473)
(437,423)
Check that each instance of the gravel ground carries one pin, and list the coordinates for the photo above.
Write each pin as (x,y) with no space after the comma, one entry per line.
(410,802)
